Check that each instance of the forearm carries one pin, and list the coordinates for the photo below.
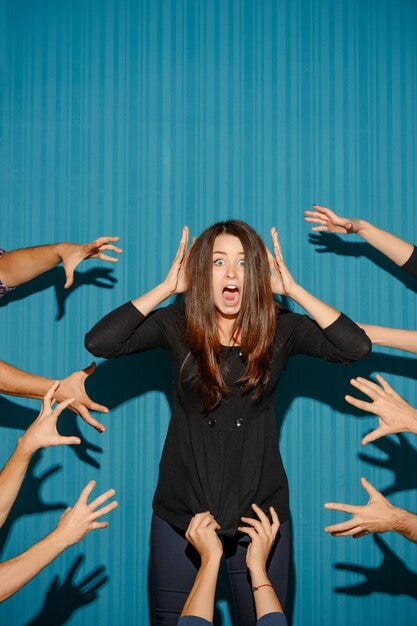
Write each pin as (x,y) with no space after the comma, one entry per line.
(406,524)
(265,598)
(11,478)
(151,299)
(200,601)
(392,246)
(17,382)
(392,337)
(16,572)
(322,313)
(19,266)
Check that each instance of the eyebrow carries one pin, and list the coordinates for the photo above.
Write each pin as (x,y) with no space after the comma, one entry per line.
(221,252)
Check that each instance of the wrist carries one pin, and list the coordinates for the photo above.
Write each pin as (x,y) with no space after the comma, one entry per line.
(412,421)
(258,574)
(58,540)
(60,249)
(165,290)
(24,448)
(360,227)
(211,560)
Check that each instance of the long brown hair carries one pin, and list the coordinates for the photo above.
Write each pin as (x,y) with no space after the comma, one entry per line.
(255,323)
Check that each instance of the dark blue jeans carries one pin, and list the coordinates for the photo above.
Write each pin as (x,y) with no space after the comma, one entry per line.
(174,564)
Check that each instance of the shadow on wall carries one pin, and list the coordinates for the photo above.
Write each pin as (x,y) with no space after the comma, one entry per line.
(63,599)
(330,243)
(96,277)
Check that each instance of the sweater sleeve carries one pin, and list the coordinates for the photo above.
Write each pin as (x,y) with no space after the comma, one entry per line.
(270,619)
(192,620)
(126,330)
(343,341)
(410,265)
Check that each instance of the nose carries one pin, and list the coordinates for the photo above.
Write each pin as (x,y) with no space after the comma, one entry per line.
(231,272)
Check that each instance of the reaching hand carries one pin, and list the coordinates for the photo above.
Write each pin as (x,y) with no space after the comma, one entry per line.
(73,386)
(78,520)
(43,433)
(377,516)
(175,279)
(73,253)
(201,533)
(395,415)
(328,220)
(263,535)
(281,279)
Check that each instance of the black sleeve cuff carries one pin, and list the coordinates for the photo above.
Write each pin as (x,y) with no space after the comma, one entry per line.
(410,265)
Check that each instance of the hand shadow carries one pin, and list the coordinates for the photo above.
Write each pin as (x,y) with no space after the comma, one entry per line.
(392,576)
(62,599)
(13,415)
(400,458)
(328,242)
(96,277)
(29,499)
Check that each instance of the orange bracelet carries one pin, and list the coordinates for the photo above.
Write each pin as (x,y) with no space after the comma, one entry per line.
(264,585)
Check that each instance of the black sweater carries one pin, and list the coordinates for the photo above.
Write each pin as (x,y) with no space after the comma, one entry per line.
(223,461)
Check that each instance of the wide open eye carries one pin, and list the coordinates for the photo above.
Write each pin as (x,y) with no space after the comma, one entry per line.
(218,262)
(242,262)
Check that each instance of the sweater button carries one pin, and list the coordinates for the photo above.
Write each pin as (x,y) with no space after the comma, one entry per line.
(211,422)
(239,422)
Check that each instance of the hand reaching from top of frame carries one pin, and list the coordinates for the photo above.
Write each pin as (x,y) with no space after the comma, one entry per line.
(201,533)
(73,386)
(378,516)
(395,415)
(73,253)
(43,432)
(328,220)
(281,280)
(78,520)
(263,534)
(175,280)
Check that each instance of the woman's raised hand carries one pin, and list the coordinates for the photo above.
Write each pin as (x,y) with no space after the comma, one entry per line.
(201,533)
(175,279)
(281,279)
(328,220)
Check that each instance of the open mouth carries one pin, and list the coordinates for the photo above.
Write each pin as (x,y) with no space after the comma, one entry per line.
(231,295)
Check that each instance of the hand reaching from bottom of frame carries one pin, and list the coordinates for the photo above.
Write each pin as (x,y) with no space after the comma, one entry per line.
(202,535)
(378,516)
(263,534)
(80,519)
(394,413)
(43,432)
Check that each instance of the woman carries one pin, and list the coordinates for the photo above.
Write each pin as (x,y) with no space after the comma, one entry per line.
(229,342)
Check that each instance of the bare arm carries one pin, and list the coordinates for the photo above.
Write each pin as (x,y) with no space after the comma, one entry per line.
(17,382)
(263,535)
(392,337)
(392,246)
(74,524)
(19,266)
(201,533)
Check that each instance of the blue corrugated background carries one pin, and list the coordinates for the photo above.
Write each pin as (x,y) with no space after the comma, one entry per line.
(135,117)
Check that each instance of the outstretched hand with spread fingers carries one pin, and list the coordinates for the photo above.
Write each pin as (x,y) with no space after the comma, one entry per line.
(73,253)
(378,516)
(43,432)
(395,415)
(328,220)
(80,519)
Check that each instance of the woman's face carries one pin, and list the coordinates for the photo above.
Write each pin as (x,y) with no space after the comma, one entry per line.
(228,274)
